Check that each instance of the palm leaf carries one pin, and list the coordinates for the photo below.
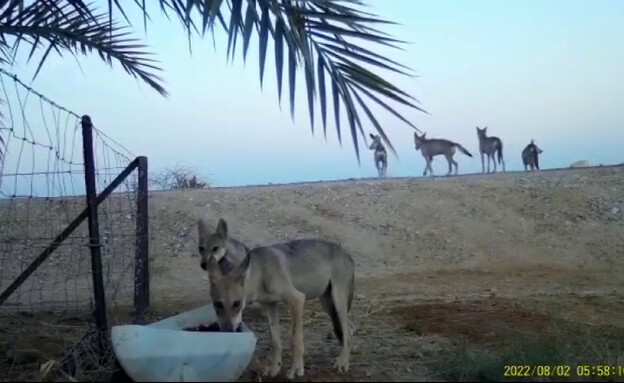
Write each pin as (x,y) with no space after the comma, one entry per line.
(325,37)
(65,28)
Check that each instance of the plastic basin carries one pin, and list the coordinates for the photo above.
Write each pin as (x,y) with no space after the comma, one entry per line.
(164,352)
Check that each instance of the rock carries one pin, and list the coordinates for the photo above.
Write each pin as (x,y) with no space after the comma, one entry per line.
(615,210)
(580,164)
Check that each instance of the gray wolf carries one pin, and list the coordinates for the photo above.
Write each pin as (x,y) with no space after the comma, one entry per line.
(530,156)
(434,147)
(290,272)
(490,146)
(380,155)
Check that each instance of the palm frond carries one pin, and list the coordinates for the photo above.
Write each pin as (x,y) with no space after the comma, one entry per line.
(65,26)
(326,38)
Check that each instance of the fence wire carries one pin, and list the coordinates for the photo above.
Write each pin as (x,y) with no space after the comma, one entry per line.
(42,190)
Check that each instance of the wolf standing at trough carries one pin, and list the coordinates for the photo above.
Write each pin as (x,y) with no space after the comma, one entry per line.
(489,146)
(380,156)
(290,272)
(434,147)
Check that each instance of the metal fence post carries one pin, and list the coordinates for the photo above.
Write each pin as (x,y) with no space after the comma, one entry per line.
(94,231)
(141,256)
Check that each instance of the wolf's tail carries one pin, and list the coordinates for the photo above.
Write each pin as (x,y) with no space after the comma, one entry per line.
(463,150)
(345,289)
(500,151)
(333,314)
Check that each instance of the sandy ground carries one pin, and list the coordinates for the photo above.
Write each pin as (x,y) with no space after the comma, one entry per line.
(440,263)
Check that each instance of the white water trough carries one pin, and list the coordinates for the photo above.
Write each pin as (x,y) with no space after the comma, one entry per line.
(164,352)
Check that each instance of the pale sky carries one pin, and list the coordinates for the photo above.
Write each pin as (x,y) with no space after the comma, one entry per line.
(548,70)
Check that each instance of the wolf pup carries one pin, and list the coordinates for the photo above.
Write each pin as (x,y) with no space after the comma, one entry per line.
(490,146)
(290,272)
(530,156)
(380,155)
(434,147)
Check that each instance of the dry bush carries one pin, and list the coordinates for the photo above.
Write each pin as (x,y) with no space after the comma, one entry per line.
(177,178)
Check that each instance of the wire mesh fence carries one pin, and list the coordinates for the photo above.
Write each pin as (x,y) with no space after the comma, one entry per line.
(42,191)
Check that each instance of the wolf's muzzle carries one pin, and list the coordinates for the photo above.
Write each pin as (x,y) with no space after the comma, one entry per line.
(229,328)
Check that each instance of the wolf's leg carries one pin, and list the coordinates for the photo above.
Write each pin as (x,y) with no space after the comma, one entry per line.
(339,297)
(428,160)
(494,160)
(296,302)
(456,166)
(272,314)
(482,163)
(385,167)
(450,165)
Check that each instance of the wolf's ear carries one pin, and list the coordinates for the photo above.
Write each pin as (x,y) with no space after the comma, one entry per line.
(371,135)
(202,229)
(212,267)
(242,270)
(222,228)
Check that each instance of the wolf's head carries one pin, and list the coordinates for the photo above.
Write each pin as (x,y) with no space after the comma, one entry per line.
(535,148)
(418,141)
(227,291)
(212,245)
(376,143)
(481,132)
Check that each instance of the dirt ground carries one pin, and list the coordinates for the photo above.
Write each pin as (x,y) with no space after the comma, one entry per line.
(447,269)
